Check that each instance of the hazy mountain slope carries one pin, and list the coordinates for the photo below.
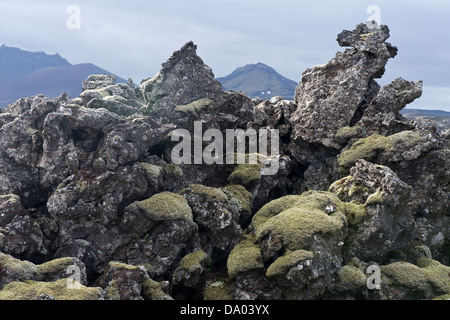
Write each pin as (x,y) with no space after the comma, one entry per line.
(15,62)
(24,73)
(259,80)
(50,81)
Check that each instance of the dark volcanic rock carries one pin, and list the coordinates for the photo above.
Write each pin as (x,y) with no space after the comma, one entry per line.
(183,79)
(185,90)
(90,195)
(387,224)
(323,102)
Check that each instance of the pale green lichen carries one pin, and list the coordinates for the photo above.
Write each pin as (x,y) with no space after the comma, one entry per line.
(406,275)
(113,292)
(365,36)
(54,267)
(423,250)
(245,174)
(296,226)
(120,105)
(209,194)
(152,290)
(239,197)
(377,146)
(10,198)
(172,170)
(32,131)
(152,170)
(356,198)
(320,66)
(374,199)
(218,290)
(194,261)
(166,206)
(366,148)
(244,257)
(350,279)
(355,213)
(195,107)
(290,259)
(425,277)
(116,267)
(82,186)
(25,270)
(59,290)
(271,209)
(345,134)
(437,274)
(350,189)
(406,139)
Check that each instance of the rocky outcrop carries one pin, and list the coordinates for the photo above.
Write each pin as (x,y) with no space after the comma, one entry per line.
(90,195)
(185,90)
(323,105)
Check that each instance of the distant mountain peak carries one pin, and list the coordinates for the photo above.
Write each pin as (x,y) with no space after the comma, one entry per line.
(16,63)
(26,73)
(6,49)
(259,80)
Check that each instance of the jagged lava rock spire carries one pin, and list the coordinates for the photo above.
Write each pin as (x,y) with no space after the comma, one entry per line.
(185,90)
(335,94)
(184,78)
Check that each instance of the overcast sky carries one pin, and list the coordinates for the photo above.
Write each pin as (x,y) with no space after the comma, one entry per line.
(132,38)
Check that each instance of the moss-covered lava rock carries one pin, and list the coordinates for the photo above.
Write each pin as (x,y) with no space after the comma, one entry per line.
(58,290)
(166,206)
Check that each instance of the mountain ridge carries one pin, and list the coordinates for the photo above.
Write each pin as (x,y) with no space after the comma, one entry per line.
(15,62)
(259,80)
(27,73)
